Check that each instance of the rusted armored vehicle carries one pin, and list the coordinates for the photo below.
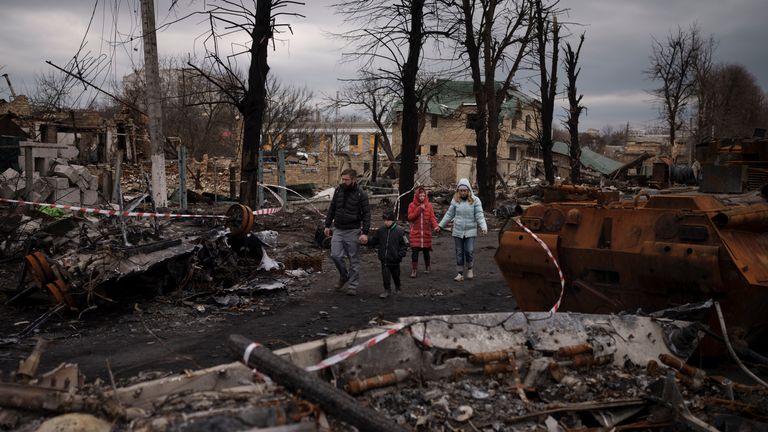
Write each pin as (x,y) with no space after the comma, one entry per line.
(652,253)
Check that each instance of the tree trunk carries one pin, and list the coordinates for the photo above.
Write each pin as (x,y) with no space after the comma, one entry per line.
(375,164)
(547,85)
(410,116)
(252,105)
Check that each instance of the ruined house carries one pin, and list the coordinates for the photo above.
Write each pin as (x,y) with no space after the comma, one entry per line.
(448,137)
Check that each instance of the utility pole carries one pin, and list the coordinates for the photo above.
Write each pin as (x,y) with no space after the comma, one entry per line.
(154,108)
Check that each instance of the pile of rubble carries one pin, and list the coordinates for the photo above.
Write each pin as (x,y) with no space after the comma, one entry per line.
(62,184)
(486,372)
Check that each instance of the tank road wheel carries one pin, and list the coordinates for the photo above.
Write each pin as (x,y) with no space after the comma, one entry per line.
(53,289)
(41,271)
(239,220)
(59,290)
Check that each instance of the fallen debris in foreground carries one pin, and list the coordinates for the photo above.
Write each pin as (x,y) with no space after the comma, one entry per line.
(487,372)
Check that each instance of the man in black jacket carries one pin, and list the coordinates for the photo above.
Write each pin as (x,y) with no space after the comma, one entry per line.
(350,215)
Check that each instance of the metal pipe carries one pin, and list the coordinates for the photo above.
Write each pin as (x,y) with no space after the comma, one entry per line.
(8,80)
(755,215)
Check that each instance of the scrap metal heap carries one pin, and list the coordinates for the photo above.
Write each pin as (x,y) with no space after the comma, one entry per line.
(82,262)
(646,253)
(487,372)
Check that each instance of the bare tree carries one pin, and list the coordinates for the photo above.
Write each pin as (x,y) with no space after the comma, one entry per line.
(52,92)
(194,110)
(388,38)
(287,113)
(572,71)
(547,33)
(735,103)
(673,63)
(494,37)
(261,25)
(376,97)
(702,70)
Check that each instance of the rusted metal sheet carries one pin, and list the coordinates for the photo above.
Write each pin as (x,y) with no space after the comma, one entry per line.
(670,250)
(723,178)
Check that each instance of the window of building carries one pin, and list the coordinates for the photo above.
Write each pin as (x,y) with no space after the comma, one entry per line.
(471,120)
(513,153)
(528,123)
(534,150)
(433,121)
(471,150)
(432,150)
(353,140)
(418,151)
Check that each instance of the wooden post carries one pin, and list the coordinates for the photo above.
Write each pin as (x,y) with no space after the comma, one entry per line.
(233,181)
(29,169)
(281,176)
(182,177)
(375,169)
(332,400)
(154,103)
(118,174)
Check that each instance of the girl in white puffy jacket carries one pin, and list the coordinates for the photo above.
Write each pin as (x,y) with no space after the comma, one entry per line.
(466,212)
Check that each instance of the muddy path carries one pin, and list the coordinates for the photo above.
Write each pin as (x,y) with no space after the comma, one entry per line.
(170,334)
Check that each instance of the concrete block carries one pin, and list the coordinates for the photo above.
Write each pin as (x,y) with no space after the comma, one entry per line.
(66,171)
(70,152)
(9,175)
(94,182)
(69,196)
(38,196)
(89,197)
(42,187)
(57,182)
(47,153)
(13,188)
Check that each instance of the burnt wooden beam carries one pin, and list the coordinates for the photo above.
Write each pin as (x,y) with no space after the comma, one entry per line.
(331,399)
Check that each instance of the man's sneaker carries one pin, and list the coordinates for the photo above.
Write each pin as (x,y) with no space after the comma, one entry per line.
(397,289)
(470,274)
(351,292)
(340,284)
(428,269)
(413,273)
(384,295)
(459,277)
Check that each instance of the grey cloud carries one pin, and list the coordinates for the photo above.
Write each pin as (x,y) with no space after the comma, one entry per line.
(615,54)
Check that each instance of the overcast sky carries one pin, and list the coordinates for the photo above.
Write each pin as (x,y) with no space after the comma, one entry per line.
(618,41)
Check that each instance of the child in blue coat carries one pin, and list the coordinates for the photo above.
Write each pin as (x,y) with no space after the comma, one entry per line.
(466,212)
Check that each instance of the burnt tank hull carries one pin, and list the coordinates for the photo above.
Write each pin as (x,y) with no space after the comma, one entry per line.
(668,251)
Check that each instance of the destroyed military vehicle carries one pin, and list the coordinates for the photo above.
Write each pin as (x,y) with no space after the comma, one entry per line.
(649,253)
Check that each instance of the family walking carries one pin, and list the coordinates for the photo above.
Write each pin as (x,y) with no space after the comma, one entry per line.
(350,216)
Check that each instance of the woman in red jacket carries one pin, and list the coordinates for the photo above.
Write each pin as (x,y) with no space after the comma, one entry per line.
(421,215)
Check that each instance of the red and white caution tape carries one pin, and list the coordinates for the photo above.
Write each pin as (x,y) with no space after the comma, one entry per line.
(350,352)
(112,213)
(554,261)
(332,360)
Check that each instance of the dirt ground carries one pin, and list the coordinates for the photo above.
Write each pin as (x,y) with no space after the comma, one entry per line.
(171,333)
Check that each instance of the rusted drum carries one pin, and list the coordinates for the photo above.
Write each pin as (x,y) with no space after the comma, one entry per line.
(239,219)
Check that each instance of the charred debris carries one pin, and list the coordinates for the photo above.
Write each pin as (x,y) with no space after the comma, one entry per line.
(488,372)
(612,357)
